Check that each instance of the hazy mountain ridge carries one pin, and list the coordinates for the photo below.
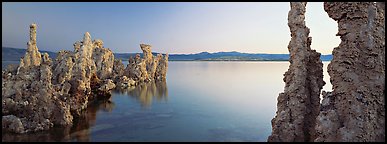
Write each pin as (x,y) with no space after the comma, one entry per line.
(14,54)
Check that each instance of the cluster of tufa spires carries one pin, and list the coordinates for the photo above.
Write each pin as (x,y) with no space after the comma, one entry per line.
(40,93)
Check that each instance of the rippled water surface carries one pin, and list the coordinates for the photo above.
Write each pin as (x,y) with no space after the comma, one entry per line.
(200,101)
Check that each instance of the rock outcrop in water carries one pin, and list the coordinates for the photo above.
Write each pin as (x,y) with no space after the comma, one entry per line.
(298,105)
(161,69)
(136,69)
(156,67)
(29,99)
(104,60)
(354,110)
(41,93)
(147,69)
(79,131)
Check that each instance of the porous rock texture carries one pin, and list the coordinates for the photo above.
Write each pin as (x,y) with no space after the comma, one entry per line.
(354,110)
(104,60)
(118,69)
(82,70)
(148,68)
(136,69)
(40,93)
(29,100)
(162,67)
(79,131)
(125,82)
(298,105)
(32,56)
(147,52)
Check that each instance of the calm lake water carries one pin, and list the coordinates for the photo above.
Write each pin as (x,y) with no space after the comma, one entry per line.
(200,101)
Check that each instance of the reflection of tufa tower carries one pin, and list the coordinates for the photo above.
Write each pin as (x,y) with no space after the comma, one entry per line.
(32,56)
(146,92)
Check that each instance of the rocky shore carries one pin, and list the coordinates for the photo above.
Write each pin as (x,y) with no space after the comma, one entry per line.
(41,93)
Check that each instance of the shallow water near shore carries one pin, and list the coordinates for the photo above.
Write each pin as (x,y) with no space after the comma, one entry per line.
(199,101)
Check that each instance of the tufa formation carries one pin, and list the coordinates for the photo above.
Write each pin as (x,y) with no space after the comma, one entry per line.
(354,111)
(298,105)
(41,93)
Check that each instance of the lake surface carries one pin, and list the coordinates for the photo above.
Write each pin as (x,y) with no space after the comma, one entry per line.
(200,101)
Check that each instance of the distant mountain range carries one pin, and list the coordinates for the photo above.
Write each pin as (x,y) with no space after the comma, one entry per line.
(14,54)
(236,56)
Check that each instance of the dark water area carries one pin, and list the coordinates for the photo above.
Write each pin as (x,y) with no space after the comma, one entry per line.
(199,101)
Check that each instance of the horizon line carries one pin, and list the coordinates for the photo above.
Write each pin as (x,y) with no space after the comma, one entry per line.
(169,53)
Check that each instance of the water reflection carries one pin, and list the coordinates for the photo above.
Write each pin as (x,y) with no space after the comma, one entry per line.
(207,101)
(144,93)
(80,131)
(85,125)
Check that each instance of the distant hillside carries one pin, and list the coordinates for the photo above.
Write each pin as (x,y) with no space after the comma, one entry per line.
(14,54)
(236,56)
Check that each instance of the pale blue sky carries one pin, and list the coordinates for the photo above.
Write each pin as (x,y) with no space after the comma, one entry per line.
(184,27)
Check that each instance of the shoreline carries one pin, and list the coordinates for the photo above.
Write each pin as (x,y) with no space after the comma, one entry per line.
(208,60)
